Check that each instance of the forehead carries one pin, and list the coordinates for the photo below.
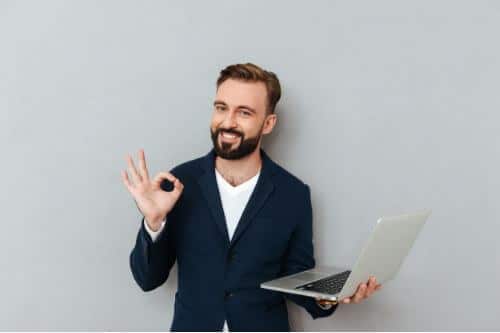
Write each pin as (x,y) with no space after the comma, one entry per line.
(238,92)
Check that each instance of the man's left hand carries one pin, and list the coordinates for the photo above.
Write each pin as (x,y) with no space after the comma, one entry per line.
(364,291)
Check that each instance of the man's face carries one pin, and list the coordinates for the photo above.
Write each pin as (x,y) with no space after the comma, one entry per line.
(239,118)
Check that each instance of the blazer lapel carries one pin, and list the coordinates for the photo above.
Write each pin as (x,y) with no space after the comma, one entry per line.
(260,194)
(210,191)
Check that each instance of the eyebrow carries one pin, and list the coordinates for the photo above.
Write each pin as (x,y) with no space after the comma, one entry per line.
(239,106)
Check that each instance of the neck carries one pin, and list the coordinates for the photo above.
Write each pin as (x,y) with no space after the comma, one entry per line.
(238,171)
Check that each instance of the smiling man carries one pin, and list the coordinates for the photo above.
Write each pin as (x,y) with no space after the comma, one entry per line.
(234,219)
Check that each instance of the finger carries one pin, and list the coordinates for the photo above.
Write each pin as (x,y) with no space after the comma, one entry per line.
(377,287)
(164,175)
(133,171)
(374,281)
(371,286)
(143,169)
(178,186)
(360,294)
(346,300)
(126,181)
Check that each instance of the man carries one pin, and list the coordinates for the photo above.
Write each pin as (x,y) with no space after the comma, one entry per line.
(233,220)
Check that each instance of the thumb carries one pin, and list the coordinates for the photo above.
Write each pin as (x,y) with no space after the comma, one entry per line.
(178,186)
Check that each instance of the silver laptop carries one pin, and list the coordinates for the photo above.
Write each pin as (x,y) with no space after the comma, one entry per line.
(382,256)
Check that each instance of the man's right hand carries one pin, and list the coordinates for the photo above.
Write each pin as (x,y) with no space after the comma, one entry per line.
(152,201)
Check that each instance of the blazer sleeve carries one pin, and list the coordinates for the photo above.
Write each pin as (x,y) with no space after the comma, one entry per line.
(300,257)
(151,260)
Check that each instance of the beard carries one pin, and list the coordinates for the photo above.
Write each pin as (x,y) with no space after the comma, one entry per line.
(244,148)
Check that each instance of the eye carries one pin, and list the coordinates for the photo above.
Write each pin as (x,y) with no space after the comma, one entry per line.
(220,108)
(245,113)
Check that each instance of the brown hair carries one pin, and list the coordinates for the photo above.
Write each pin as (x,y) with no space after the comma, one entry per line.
(253,73)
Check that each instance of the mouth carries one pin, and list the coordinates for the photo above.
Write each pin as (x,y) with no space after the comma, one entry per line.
(229,137)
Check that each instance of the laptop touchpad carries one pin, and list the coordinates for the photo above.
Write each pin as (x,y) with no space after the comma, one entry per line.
(309,276)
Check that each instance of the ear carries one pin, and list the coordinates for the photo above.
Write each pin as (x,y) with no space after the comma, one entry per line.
(269,123)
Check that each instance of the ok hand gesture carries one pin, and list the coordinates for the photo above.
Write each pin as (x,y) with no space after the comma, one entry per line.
(152,201)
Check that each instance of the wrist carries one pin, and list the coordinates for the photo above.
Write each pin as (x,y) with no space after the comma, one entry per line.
(324,306)
(155,224)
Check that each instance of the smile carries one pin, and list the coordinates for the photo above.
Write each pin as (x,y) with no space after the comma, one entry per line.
(229,135)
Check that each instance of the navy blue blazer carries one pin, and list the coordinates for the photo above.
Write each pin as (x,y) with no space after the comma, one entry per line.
(219,279)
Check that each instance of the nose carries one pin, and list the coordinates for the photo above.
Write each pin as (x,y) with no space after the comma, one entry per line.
(229,120)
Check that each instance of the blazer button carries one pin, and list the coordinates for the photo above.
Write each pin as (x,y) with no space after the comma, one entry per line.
(231,256)
(227,295)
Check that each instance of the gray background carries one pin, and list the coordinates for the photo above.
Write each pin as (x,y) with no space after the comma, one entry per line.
(387,107)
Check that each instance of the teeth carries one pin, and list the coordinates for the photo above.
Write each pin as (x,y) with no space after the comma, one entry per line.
(230,136)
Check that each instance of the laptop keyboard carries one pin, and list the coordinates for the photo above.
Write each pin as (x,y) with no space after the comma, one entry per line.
(329,285)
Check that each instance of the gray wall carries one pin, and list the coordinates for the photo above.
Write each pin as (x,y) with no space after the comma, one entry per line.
(388,107)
